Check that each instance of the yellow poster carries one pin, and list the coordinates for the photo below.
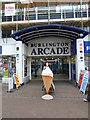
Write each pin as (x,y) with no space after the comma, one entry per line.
(17,81)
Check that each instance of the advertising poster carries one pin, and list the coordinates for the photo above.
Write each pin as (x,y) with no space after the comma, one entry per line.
(81,77)
(84,82)
(5,70)
(10,9)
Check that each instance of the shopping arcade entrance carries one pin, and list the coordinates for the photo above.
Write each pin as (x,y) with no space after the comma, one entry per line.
(58,65)
(27,35)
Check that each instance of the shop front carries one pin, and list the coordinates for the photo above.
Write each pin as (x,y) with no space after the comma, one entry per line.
(58,65)
(7,62)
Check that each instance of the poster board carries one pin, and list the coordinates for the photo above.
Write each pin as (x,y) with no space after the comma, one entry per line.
(81,75)
(84,82)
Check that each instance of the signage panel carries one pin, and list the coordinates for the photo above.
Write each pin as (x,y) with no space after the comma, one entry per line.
(80,57)
(87,47)
(49,48)
(84,82)
(10,9)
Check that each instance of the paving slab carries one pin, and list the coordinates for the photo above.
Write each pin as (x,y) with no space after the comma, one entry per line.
(26,102)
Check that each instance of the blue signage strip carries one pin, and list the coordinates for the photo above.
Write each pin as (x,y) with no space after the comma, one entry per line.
(87,47)
(0,49)
(73,47)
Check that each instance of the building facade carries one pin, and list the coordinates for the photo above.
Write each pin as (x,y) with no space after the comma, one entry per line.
(34,32)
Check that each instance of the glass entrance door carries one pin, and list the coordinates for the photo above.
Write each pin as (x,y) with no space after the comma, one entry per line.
(59,67)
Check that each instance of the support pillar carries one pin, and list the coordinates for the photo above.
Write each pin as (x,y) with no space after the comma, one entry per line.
(69,68)
(19,60)
(80,58)
(30,67)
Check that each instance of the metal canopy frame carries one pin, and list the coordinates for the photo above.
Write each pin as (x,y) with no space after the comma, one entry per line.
(57,30)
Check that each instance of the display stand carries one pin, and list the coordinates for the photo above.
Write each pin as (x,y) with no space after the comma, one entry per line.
(10,85)
(9,81)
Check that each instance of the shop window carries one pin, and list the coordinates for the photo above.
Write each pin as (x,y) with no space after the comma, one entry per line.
(87,61)
(9,66)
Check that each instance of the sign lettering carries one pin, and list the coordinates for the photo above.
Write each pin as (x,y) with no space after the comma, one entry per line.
(62,48)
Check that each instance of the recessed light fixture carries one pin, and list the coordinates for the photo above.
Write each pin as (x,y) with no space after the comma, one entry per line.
(81,35)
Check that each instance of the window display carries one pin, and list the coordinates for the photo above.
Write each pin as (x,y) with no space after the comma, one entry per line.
(9,66)
(87,62)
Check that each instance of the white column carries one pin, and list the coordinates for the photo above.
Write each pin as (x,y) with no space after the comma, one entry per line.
(87,11)
(74,10)
(76,66)
(69,68)
(36,13)
(80,57)
(19,60)
(30,66)
(23,66)
(61,13)
(48,12)
(24,13)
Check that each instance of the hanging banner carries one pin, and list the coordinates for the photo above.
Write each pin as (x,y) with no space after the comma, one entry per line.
(10,9)
(84,82)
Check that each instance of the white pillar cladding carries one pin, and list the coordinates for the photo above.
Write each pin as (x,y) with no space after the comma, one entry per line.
(36,11)
(76,66)
(19,61)
(80,58)
(69,67)
(23,66)
(30,66)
